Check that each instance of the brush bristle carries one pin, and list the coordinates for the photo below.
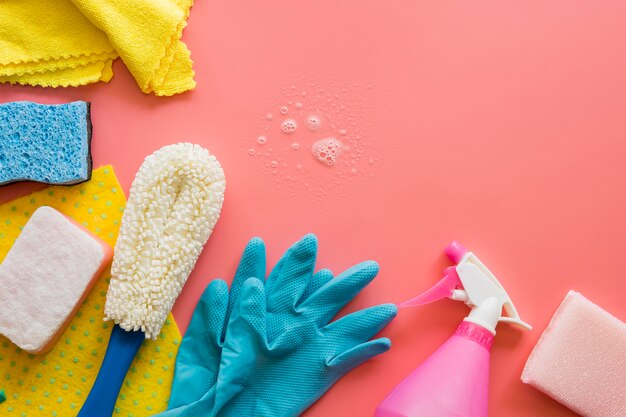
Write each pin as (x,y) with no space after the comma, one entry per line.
(174,203)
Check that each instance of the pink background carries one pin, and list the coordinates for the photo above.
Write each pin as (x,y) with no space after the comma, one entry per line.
(501,124)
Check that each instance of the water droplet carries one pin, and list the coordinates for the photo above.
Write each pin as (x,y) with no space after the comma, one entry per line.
(284,110)
(353,170)
(371,161)
(269,116)
(289,126)
(343,132)
(313,122)
(251,152)
(299,105)
(274,164)
(295,146)
(293,87)
(299,166)
(303,94)
(261,140)
(327,150)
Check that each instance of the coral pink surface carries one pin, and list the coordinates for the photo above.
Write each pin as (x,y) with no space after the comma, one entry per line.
(498,123)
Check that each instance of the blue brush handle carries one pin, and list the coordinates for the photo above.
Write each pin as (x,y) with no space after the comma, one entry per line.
(123,347)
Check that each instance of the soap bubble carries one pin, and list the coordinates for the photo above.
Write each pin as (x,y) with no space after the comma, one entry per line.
(261,140)
(343,132)
(251,152)
(284,110)
(289,126)
(313,122)
(295,146)
(299,105)
(269,116)
(274,164)
(327,150)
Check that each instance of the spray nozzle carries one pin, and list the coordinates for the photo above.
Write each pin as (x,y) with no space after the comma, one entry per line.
(473,283)
(445,288)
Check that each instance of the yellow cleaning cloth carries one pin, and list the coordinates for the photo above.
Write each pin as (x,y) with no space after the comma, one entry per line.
(51,44)
(57,384)
(61,43)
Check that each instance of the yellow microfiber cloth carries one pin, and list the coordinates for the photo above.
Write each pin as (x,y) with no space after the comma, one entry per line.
(57,384)
(63,43)
(51,44)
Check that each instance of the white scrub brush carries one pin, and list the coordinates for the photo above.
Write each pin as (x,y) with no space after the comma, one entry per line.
(174,203)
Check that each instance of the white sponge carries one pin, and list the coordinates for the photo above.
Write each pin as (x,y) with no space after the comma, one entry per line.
(174,203)
(44,278)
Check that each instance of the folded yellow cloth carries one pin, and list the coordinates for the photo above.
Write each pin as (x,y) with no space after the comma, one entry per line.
(51,44)
(57,383)
(60,43)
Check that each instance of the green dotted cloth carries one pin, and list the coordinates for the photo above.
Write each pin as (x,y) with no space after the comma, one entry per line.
(56,384)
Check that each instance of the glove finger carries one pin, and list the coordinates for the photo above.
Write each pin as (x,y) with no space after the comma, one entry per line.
(275,272)
(321,278)
(198,359)
(251,264)
(326,302)
(360,326)
(350,359)
(287,287)
(244,343)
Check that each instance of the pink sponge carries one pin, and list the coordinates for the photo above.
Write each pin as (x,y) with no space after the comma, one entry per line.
(580,359)
(49,270)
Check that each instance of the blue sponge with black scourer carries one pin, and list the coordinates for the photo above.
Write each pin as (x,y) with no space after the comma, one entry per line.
(45,143)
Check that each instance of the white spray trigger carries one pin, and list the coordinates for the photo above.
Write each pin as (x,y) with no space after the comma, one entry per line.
(485,295)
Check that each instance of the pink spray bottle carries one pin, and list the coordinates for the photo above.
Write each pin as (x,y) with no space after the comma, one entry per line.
(454,381)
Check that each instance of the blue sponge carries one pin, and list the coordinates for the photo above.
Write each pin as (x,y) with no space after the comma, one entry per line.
(45,143)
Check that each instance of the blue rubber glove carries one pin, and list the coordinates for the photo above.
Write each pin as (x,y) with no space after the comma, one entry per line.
(280,354)
(199,355)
